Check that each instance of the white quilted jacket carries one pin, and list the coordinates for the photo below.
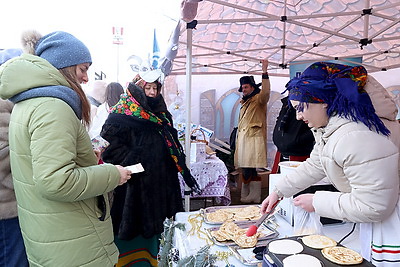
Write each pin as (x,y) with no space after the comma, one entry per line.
(366,175)
(361,164)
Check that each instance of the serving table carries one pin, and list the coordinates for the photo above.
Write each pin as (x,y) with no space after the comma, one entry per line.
(190,241)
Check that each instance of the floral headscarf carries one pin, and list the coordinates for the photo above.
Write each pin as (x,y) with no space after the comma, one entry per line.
(339,86)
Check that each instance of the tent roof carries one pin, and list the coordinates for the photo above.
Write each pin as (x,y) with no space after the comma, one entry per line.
(232,36)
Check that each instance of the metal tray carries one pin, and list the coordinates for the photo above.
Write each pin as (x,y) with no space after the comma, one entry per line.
(268,232)
(204,212)
(245,255)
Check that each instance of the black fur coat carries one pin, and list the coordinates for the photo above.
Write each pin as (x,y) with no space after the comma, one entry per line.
(141,205)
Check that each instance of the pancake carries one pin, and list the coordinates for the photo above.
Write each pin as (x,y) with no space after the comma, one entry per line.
(342,255)
(301,260)
(285,246)
(318,241)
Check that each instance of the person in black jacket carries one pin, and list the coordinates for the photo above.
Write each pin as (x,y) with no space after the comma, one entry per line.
(293,138)
(139,129)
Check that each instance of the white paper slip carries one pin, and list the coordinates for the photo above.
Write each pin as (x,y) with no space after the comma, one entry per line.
(135,168)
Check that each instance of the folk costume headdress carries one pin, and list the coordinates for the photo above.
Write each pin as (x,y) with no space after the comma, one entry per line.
(339,86)
(130,106)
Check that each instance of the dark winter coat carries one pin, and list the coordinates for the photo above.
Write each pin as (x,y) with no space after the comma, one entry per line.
(141,205)
(291,136)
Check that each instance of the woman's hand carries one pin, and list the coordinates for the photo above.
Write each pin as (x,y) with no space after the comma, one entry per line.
(269,202)
(305,201)
(98,154)
(125,174)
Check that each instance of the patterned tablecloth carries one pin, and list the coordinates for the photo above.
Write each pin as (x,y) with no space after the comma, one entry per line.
(212,177)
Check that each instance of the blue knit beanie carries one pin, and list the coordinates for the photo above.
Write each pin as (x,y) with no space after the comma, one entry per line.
(62,50)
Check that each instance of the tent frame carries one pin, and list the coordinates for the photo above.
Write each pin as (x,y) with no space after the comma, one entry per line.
(302,51)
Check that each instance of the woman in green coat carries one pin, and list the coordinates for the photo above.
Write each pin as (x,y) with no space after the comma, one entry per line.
(61,191)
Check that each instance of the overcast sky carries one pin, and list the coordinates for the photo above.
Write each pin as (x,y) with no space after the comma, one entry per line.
(92,22)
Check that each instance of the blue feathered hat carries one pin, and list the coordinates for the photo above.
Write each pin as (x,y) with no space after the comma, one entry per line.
(339,86)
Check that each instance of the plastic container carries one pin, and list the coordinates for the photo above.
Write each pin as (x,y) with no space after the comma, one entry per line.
(287,167)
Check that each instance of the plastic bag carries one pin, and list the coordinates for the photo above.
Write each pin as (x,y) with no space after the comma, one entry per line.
(306,223)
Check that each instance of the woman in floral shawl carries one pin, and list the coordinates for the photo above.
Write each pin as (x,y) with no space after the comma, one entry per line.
(139,129)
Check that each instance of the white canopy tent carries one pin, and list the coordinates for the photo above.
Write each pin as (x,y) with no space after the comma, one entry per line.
(232,36)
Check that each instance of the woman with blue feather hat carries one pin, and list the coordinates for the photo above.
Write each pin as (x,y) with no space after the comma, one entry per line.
(357,149)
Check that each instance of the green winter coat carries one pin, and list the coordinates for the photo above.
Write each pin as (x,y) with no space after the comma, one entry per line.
(251,138)
(56,176)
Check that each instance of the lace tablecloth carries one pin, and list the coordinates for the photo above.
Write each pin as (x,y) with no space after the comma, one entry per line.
(212,177)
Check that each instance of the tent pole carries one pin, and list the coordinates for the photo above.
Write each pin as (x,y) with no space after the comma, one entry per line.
(366,20)
(188,100)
